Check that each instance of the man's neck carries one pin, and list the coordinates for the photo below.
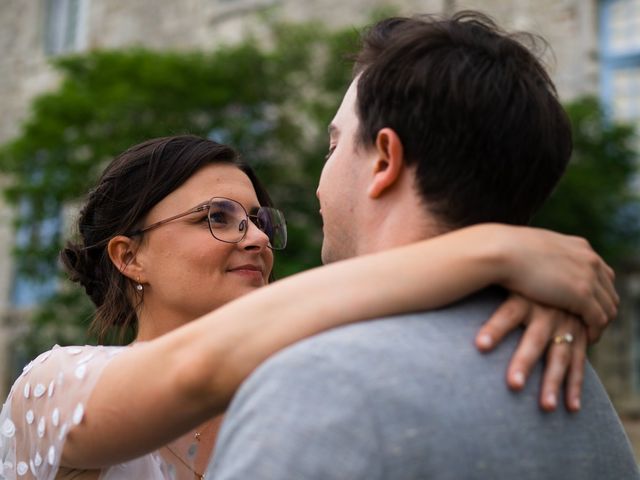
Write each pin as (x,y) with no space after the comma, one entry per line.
(398,228)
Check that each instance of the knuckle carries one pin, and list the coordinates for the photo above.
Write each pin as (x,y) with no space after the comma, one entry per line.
(575,238)
(583,288)
(603,320)
(511,313)
(518,302)
(507,312)
(543,313)
(614,306)
(594,260)
(582,242)
(536,344)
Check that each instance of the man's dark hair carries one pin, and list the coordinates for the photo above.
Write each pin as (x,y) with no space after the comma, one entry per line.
(475,111)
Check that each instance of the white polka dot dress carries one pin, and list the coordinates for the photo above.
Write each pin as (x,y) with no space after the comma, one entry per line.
(48,400)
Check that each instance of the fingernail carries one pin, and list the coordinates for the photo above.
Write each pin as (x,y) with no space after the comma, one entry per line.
(551,400)
(485,340)
(518,379)
(576,403)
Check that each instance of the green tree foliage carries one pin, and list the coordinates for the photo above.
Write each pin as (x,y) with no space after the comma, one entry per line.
(272,104)
(597,198)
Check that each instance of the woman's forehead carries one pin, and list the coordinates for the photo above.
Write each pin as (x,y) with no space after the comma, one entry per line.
(211,181)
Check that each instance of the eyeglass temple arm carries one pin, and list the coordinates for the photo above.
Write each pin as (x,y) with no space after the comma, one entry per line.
(199,208)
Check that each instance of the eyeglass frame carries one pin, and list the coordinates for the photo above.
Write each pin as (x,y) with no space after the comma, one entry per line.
(206,206)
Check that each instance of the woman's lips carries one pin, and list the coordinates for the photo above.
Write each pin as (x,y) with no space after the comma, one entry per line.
(251,271)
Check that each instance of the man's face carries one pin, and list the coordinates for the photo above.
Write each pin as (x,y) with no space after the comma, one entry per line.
(342,186)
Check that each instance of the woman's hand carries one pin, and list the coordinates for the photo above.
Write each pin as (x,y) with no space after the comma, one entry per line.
(561,271)
(561,335)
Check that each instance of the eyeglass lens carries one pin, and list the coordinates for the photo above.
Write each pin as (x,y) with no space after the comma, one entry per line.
(228,222)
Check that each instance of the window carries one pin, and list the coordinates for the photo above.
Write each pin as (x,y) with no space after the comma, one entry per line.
(620,54)
(26,291)
(65,26)
(620,62)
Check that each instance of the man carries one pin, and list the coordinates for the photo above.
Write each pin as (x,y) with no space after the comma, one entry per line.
(447,123)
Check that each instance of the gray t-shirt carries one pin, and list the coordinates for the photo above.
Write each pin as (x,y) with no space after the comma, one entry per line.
(410,397)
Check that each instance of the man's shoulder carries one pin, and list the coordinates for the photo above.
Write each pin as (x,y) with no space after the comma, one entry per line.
(433,346)
(376,396)
(399,336)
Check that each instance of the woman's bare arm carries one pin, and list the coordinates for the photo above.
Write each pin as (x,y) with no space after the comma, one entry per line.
(153,393)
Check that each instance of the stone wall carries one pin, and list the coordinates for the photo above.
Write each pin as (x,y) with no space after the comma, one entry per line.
(568,25)
(570,28)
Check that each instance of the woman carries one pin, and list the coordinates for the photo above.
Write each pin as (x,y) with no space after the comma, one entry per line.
(174,232)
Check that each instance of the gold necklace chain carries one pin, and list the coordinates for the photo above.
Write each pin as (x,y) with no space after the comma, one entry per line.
(199,476)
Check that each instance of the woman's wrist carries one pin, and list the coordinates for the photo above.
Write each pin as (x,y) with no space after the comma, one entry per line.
(494,251)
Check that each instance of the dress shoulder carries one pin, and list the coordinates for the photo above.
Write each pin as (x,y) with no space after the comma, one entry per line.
(45,403)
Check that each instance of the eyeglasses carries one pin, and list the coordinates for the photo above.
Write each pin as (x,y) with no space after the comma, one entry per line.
(229,222)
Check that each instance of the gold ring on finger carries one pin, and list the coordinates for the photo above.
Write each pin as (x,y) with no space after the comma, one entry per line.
(564,338)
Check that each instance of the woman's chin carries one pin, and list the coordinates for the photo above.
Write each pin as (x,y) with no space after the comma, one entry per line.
(241,290)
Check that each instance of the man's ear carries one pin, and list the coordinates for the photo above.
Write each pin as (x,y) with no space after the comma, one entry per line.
(122,252)
(388,164)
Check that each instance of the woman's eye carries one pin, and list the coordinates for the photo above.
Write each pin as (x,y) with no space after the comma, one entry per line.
(218,218)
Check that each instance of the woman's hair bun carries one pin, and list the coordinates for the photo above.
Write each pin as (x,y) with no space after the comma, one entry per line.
(83,269)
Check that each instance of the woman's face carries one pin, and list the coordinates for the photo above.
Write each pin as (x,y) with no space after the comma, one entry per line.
(187,272)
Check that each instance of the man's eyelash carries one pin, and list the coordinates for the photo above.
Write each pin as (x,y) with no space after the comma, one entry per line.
(326,157)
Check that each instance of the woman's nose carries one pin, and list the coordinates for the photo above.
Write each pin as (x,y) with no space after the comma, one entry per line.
(255,239)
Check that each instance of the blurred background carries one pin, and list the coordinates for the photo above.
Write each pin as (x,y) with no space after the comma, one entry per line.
(81,80)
